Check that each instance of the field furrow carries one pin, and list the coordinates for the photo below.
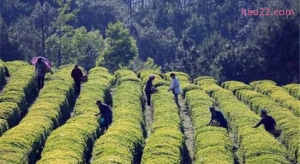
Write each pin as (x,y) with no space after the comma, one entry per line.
(255,145)
(23,143)
(285,119)
(54,126)
(166,143)
(278,94)
(212,144)
(148,110)
(17,96)
(293,89)
(124,140)
(73,142)
(185,114)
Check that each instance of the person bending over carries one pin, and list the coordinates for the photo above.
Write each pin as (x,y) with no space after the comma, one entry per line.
(149,89)
(217,118)
(106,115)
(269,123)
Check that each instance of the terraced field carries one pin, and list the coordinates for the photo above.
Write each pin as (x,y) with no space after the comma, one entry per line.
(53,126)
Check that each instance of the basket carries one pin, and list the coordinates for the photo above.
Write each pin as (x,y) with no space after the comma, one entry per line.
(102,121)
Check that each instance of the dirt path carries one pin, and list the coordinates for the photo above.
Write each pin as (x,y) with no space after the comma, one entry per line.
(148,117)
(108,100)
(73,108)
(188,130)
(73,105)
(234,141)
(235,146)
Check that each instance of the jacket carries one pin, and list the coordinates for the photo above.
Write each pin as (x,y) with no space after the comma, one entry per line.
(175,86)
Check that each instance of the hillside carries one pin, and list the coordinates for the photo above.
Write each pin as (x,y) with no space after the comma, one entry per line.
(54,125)
(221,39)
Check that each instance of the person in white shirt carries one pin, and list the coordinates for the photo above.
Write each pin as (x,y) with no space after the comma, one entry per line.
(175,87)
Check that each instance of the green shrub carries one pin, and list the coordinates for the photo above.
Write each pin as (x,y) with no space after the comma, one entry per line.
(205,81)
(189,87)
(101,73)
(234,86)
(196,80)
(97,88)
(15,97)
(124,72)
(23,81)
(293,89)
(3,125)
(252,142)
(73,140)
(254,83)
(212,144)
(21,91)
(166,143)
(158,83)
(280,96)
(284,118)
(14,66)
(3,73)
(10,112)
(126,78)
(123,141)
(144,76)
(22,143)
(285,121)
(268,159)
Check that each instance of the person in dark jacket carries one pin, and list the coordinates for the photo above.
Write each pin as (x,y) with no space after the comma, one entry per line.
(40,68)
(217,118)
(105,113)
(269,123)
(77,75)
(149,89)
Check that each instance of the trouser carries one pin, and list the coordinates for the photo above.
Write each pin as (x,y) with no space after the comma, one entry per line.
(275,133)
(176,98)
(148,94)
(108,121)
(77,86)
(40,82)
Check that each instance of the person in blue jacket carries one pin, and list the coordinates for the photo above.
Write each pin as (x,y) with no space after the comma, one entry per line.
(217,118)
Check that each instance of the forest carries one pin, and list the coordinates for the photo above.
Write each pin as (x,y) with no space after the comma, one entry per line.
(199,37)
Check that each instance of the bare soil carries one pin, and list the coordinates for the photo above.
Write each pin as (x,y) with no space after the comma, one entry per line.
(188,130)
